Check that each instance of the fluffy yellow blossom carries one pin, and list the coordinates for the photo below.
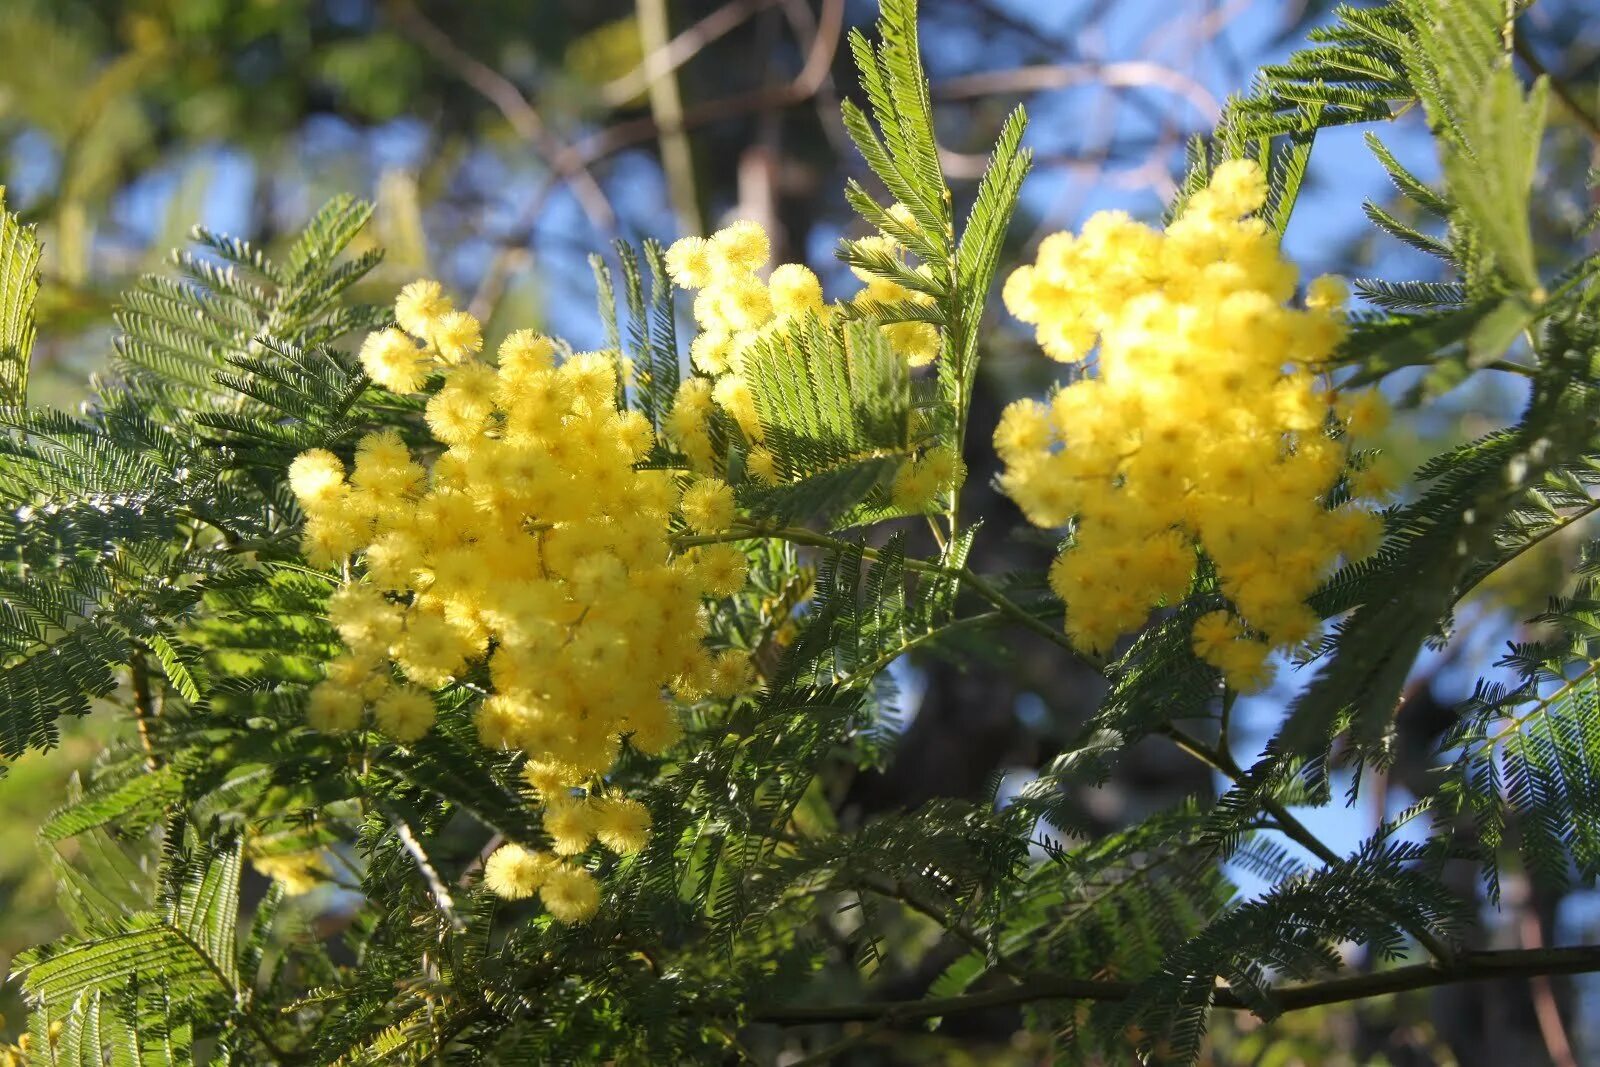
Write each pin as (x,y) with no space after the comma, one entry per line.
(1203,426)
(762,465)
(394,361)
(622,824)
(742,245)
(420,306)
(332,709)
(514,873)
(795,290)
(297,872)
(735,309)
(570,824)
(731,674)
(570,894)
(920,484)
(722,569)
(457,336)
(707,506)
(530,546)
(316,477)
(404,713)
(692,263)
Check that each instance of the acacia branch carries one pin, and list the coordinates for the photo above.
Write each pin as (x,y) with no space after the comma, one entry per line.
(1467,967)
(801,536)
(1287,823)
(145,706)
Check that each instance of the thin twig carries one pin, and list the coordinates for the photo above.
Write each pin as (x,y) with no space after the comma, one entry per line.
(503,93)
(805,85)
(1287,822)
(1468,967)
(1586,118)
(668,57)
(436,886)
(1125,74)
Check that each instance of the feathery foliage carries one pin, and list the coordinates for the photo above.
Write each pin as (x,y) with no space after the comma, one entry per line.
(151,563)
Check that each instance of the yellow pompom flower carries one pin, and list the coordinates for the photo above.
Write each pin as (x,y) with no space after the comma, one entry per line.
(762,465)
(570,894)
(550,778)
(315,478)
(707,506)
(795,290)
(732,674)
(692,263)
(393,360)
(333,709)
(743,245)
(1198,424)
(570,824)
(515,873)
(404,713)
(526,352)
(457,336)
(721,570)
(1380,479)
(622,824)
(420,306)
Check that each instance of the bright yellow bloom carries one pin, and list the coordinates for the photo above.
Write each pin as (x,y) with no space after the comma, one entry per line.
(707,506)
(514,873)
(743,245)
(622,824)
(732,674)
(394,361)
(570,894)
(721,569)
(531,546)
(457,336)
(691,263)
(315,477)
(404,713)
(1203,425)
(795,290)
(420,306)
(333,709)
(570,824)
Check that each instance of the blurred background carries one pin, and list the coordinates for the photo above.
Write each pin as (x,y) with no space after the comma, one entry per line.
(505,140)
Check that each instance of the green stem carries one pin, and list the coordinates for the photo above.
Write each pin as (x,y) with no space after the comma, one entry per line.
(1468,967)
(801,536)
(1287,822)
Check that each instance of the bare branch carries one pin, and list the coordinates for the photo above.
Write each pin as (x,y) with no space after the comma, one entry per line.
(509,101)
(1125,74)
(1468,967)
(662,61)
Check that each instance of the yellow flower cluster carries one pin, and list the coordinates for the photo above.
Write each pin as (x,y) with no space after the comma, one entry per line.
(1205,425)
(568,891)
(531,542)
(734,309)
(20,1054)
(297,872)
